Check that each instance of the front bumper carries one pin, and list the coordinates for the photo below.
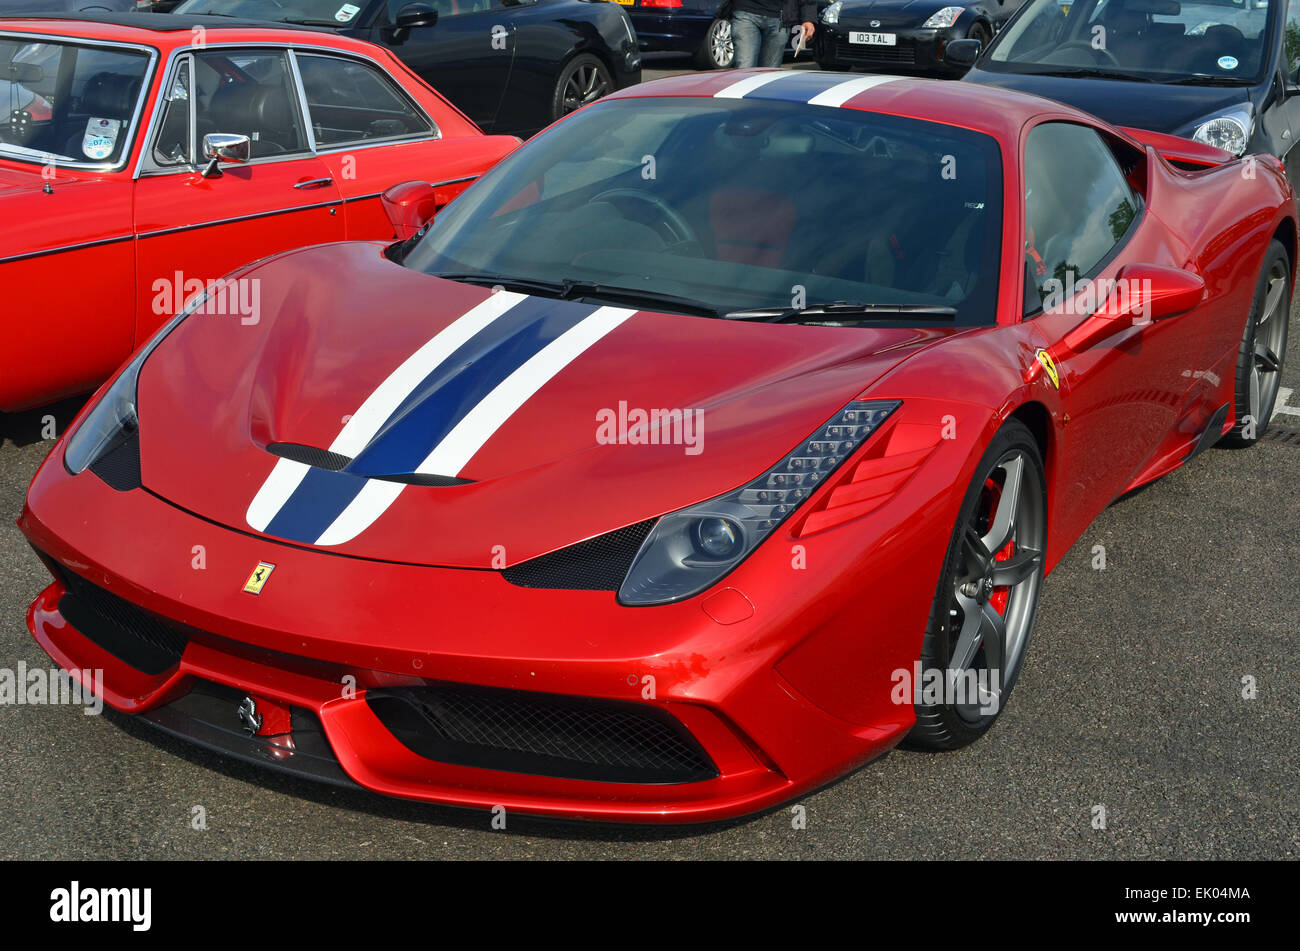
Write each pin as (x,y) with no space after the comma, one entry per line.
(916,50)
(754,675)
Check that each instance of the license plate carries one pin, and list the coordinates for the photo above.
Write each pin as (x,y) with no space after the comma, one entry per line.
(874,39)
(625,3)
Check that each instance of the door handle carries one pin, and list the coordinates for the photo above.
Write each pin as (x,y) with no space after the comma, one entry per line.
(314,183)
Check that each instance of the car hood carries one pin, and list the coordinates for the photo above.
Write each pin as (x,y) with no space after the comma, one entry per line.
(522,439)
(1141,105)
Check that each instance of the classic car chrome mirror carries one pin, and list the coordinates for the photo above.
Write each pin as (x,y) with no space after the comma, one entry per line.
(219,147)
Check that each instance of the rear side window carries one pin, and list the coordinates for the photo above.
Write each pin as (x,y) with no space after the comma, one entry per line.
(353,102)
(1078,207)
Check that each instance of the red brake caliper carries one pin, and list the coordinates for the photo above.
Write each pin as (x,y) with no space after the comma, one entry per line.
(1001,593)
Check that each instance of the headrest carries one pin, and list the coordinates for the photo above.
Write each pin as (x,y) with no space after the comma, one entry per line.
(110,95)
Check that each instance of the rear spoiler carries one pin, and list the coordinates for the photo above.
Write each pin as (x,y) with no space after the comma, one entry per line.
(1180,151)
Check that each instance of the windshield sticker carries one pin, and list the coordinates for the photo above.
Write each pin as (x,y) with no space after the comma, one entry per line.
(1227,62)
(347,12)
(100,138)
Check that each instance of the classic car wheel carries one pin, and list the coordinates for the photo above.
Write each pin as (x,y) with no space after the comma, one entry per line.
(718,50)
(584,80)
(988,593)
(1262,350)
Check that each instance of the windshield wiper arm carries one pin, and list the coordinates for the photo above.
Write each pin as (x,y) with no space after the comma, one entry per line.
(1203,79)
(575,290)
(846,310)
(1090,72)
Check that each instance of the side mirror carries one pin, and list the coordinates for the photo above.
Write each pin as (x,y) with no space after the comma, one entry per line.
(219,147)
(415,14)
(1138,295)
(409,206)
(962,53)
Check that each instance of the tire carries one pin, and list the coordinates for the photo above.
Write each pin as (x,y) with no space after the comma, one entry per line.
(583,80)
(1262,350)
(718,51)
(978,31)
(964,608)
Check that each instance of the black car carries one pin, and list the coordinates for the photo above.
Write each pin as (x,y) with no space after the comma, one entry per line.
(1222,72)
(904,36)
(683,26)
(511,65)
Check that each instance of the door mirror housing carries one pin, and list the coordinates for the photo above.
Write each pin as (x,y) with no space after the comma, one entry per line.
(409,206)
(220,147)
(1138,295)
(415,14)
(962,53)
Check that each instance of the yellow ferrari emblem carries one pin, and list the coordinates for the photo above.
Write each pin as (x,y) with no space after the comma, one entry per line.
(1045,359)
(258,578)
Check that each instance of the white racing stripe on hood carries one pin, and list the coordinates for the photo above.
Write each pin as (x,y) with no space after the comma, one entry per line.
(841,93)
(380,404)
(741,87)
(480,424)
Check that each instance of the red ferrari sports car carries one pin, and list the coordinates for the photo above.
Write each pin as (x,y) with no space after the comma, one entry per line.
(713,443)
(108,131)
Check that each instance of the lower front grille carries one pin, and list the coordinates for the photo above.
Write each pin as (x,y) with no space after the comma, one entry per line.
(132,635)
(904,53)
(542,734)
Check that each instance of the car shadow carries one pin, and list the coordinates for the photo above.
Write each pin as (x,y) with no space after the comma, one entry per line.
(43,424)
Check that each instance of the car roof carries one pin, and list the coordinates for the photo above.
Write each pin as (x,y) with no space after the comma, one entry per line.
(168,31)
(999,112)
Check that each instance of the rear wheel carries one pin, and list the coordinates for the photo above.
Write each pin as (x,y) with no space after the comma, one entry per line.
(583,80)
(718,50)
(987,599)
(1262,350)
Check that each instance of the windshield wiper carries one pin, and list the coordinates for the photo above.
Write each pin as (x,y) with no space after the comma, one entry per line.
(306,21)
(577,290)
(1203,79)
(843,310)
(1091,72)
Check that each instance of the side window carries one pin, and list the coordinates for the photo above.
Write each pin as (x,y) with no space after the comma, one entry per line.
(249,93)
(172,144)
(353,102)
(1291,39)
(1078,206)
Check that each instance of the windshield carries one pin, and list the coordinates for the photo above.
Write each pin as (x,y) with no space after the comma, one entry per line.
(736,204)
(1219,42)
(312,12)
(67,102)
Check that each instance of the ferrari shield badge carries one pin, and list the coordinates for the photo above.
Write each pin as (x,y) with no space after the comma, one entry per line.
(1045,359)
(258,578)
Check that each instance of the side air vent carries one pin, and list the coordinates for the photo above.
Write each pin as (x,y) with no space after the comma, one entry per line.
(598,564)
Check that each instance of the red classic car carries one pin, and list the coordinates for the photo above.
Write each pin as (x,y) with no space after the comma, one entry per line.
(142,157)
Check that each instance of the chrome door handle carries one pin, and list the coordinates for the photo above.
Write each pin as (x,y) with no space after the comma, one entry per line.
(314,183)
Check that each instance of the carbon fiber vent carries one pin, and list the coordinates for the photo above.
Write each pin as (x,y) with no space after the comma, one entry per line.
(598,564)
(542,734)
(309,455)
(120,466)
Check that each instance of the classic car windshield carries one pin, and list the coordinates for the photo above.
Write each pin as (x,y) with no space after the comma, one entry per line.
(1221,42)
(736,204)
(69,103)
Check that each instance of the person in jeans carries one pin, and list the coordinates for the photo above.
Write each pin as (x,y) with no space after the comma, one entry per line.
(760,29)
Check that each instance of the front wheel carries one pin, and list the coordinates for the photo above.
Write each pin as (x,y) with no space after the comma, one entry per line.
(987,599)
(583,80)
(1262,350)
(718,50)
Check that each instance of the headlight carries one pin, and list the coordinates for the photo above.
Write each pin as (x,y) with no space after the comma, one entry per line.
(943,18)
(114,418)
(1223,132)
(832,13)
(688,551)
